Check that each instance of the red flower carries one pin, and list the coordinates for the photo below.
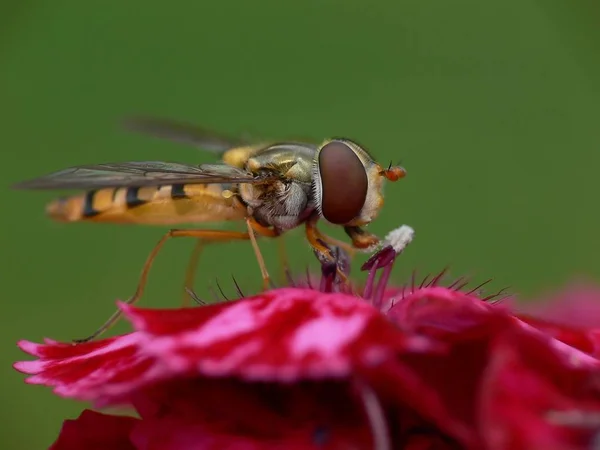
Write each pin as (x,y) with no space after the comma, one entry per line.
(427,367)
(95,431)
(578,306)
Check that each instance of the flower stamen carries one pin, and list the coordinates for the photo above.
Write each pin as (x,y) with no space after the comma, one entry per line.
(375,416)
(394,244)
(434,282)
(214,294)
(195,297)
(455,282)
(221,290)
(497,297)
(289,277)
(308,282)
(476,288)
(382,284)
(423,282)
(331,270)
(328,273)
(462,285)
(237,287)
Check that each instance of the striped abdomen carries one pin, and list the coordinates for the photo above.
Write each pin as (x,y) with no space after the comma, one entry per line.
(163,205)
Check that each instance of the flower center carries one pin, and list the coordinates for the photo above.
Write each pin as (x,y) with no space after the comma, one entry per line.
(394,243)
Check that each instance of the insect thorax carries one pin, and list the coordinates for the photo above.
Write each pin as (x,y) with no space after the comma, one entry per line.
(283,204)
(286,202)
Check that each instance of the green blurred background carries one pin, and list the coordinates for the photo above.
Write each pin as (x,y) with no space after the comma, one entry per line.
(491,106)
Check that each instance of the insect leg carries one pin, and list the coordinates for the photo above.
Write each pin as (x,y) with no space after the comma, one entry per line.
(190,272)
(337,243)
(209,235)
(318,242)
(255,227)
(312,225)
(361,238)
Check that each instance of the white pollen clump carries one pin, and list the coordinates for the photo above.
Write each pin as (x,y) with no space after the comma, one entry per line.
(399,238)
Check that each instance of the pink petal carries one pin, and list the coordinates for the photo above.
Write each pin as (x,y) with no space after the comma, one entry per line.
(91,370)
(583,339)
(96,431)
(442,313)
(571,316)
(577,305)
(441,388)
(282,335)
(285,334)
(530,395)
(445,387)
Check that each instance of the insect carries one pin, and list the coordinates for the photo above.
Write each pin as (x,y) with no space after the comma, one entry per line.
(272,186)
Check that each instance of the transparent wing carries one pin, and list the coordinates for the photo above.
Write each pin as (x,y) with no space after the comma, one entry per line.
(143,173)
(188,134)
(184,133)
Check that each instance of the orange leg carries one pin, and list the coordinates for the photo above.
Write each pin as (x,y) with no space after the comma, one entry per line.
(255,227)
(191,271)
(208,235)
(195,256)
(318,242)
(316,239)
(360,238)
(341,244)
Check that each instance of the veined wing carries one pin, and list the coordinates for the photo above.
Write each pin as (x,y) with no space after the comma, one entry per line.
(195,136)
(184,133)
(142,173)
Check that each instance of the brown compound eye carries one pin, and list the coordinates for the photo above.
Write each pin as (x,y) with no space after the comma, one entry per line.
(344,182)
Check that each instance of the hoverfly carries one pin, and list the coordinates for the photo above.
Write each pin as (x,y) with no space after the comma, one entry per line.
(273,187)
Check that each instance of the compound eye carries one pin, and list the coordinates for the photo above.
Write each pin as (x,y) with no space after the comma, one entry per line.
(344,182)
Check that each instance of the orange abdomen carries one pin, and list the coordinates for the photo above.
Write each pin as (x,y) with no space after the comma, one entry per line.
(163,205)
